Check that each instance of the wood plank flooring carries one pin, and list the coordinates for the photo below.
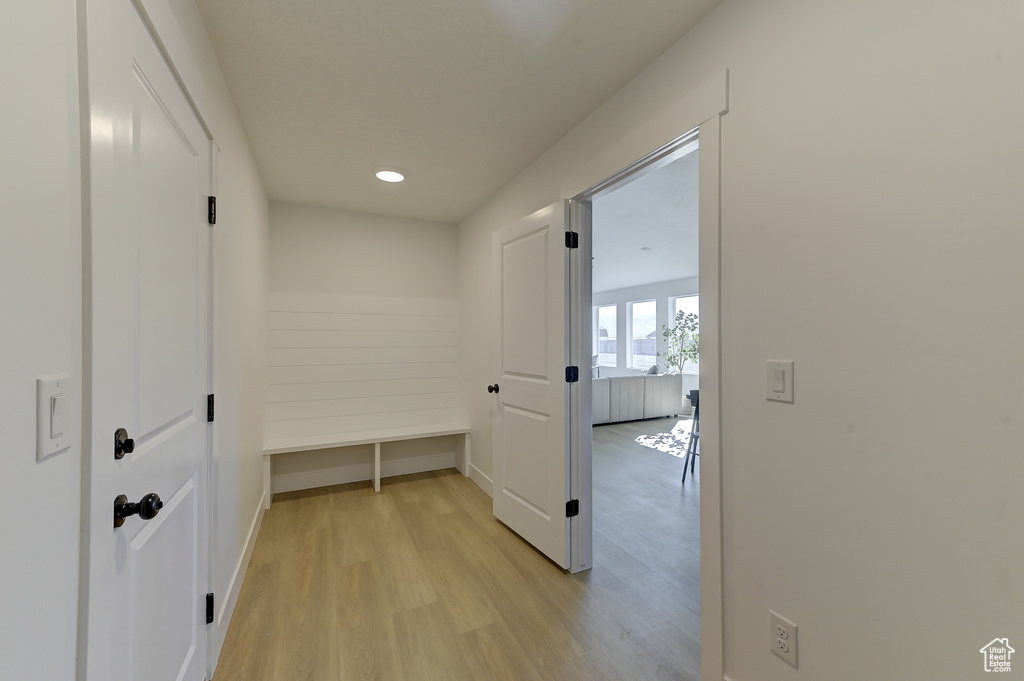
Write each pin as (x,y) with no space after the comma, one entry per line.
(420,582)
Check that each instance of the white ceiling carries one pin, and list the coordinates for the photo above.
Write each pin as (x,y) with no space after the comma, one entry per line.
(658,211)
(460,94)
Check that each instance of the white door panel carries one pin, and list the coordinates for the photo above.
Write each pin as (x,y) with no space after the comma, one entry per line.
(524,285)
(165,649)
(147,324)
(530,445)
(526,433)
(168,281)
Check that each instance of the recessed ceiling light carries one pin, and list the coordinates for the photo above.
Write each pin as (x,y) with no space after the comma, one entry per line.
(389,175)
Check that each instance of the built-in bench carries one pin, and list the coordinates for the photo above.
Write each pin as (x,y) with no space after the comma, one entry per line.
(364,437)
(347,372)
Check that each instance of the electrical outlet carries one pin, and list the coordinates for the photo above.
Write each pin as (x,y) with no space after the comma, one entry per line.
(783,637)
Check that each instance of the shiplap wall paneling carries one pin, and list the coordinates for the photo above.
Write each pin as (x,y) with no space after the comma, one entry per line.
(341,364)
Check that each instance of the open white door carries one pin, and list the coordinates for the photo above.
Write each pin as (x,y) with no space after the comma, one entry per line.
(146,357)
(530,436)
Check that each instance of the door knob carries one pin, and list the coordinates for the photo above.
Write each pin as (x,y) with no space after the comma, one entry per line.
(147,508)
(492,388)
(122,444)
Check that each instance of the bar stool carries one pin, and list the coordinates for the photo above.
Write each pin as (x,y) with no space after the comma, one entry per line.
(691,446)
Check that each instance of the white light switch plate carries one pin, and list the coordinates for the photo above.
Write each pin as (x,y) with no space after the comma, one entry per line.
(53,393)
(779,386)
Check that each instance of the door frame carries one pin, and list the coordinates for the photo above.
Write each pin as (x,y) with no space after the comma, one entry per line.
(699,111)
(172,43)
(580,336)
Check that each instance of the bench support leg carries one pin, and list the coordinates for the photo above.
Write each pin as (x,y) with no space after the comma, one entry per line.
(267,494)
(462,453)
(376,466)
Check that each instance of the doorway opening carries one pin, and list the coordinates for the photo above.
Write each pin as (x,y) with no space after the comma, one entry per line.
(638,314)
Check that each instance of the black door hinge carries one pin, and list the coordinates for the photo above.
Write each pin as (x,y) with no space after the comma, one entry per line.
(209,608)
(572,374)
(572,508)
(572,239)
(211,209)
(209,408)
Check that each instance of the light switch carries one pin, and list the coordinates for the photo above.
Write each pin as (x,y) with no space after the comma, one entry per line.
(53,415)
(780,381)
(58,409)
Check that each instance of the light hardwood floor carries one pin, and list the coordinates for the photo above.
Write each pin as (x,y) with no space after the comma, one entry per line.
(420,582)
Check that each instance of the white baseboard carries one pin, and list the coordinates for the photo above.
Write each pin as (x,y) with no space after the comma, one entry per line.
(341,475)
(230,599)
(484,482)
(235,585)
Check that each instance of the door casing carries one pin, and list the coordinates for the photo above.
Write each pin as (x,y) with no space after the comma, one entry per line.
(699,111)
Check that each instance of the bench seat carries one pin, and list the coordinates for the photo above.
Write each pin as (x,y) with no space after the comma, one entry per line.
(362,437)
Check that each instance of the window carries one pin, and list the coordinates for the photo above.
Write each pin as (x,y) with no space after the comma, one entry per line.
(605,338)
(643,328)
(687,304)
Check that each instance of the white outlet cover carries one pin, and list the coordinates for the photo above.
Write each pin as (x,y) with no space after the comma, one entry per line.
(782,637)
(47,388)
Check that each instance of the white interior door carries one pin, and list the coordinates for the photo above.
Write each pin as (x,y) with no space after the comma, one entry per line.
(147,345)
(530,436)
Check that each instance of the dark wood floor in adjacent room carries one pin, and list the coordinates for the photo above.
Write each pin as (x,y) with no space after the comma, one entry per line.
(420,582)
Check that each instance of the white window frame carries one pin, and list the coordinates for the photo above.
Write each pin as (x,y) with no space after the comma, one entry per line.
(629,332)
(688,368)
(597,334)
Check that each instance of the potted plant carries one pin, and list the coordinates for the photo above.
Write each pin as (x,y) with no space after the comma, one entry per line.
(683,340)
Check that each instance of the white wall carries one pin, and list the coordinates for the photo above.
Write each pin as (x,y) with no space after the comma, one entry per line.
(660,292)
(40,299)
(871,211)
(334,252)
(40,334)
(345,264)
(240,264)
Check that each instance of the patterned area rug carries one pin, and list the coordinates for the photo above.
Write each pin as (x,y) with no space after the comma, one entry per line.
(672,442)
